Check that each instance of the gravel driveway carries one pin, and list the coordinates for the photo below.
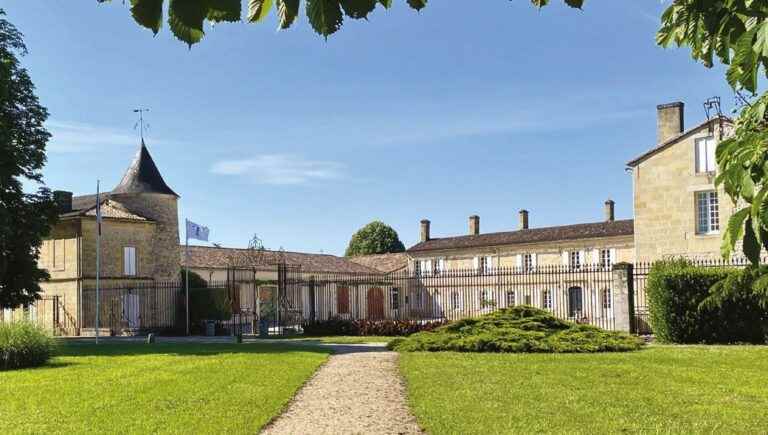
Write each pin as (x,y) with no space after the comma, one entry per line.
(359,390)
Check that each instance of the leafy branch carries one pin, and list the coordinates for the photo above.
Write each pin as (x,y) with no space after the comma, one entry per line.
(186,18)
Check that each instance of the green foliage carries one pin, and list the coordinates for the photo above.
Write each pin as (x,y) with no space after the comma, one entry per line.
(691,304)
(518,329)
(374,238)
(734,31)
(743,166)
(25,218)
(387,328)
(186,18)
(24,344)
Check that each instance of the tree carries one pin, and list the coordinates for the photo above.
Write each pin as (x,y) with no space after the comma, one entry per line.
(25,218)
(186,18)
(374,238)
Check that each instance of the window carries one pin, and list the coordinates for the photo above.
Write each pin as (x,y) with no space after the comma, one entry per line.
(606,258)
(511,298)
(526,262)
(705,155)
(426,267)
(707,212)
(417,267)
(546,299)
(527,299)
(483,264)
(455,301)
(439,266)
(129,261)
(394,296)
(607,301)
(486,301)
(574,259)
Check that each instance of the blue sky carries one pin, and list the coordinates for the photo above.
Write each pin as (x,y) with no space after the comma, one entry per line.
(439,114)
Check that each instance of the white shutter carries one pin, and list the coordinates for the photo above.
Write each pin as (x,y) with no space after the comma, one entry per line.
(428,267)
(582,258)
(477,263)
(701,156)
(595,256)
(711,163)
(565,258)
(613,256)
(519,261)
(488,263)
(533,260)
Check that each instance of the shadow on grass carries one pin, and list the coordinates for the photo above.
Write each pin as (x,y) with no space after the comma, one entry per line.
(196,349)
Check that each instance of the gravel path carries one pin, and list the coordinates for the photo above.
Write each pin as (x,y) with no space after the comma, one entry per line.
(357,391)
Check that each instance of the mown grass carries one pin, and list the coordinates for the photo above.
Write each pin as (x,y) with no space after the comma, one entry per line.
(667,389)
(158,388)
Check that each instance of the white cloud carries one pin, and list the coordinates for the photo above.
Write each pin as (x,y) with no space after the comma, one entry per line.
(73,137)
(281,169)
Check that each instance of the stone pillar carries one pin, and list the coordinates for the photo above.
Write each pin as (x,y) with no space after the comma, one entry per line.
(623,297)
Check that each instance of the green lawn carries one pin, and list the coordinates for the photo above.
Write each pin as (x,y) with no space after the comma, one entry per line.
(159,388)
(671,389)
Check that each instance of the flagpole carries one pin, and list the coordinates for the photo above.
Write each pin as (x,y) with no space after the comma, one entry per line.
(98,255)
(186,270)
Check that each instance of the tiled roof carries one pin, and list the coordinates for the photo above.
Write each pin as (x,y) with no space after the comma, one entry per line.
(205,257)
(673,140)
(110,209)
(533,235)
(87,201)
(386,263)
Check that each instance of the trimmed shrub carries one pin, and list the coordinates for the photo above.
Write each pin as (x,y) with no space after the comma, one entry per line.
(23,344)
(691,304)
(337,326)
(518,329)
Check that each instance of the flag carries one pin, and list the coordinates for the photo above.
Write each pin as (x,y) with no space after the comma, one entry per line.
(195,231)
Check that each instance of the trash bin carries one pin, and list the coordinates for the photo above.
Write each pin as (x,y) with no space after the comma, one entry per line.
(210,328)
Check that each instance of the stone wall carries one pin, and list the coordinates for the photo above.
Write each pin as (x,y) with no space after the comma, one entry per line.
(665,187)
(165,241)
(547,254)
(115,235)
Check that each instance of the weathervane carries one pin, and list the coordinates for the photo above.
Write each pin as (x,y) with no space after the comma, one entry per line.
(140,123)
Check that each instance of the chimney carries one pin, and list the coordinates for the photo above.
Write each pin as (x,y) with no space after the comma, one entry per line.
(424,236)
(609,211)
(669,120)
(523,220)
(63,200)
(474,225)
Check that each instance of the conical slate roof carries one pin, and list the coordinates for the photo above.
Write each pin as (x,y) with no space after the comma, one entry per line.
(143,176)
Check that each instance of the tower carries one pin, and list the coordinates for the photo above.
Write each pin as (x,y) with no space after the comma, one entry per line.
(144,191)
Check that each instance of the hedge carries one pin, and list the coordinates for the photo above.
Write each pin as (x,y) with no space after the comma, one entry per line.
(392,328)
(693,304)
(24,344)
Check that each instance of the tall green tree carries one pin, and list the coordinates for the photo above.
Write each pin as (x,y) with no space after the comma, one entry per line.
(374,238)
(25,218)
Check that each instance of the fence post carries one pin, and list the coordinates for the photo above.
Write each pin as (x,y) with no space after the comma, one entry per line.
(623,295)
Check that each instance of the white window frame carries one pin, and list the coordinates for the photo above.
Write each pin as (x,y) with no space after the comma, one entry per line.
(575,260)
(439,266)
(607,299)
(705,155)
(528,262)
(707,212)
(394,298)
(510,296)
(546,299)
(129,261)
(455,300)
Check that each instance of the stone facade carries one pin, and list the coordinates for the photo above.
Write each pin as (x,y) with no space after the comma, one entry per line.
(666,185)
(162,210)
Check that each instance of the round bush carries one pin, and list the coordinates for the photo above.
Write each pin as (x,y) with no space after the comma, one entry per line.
(24,344)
